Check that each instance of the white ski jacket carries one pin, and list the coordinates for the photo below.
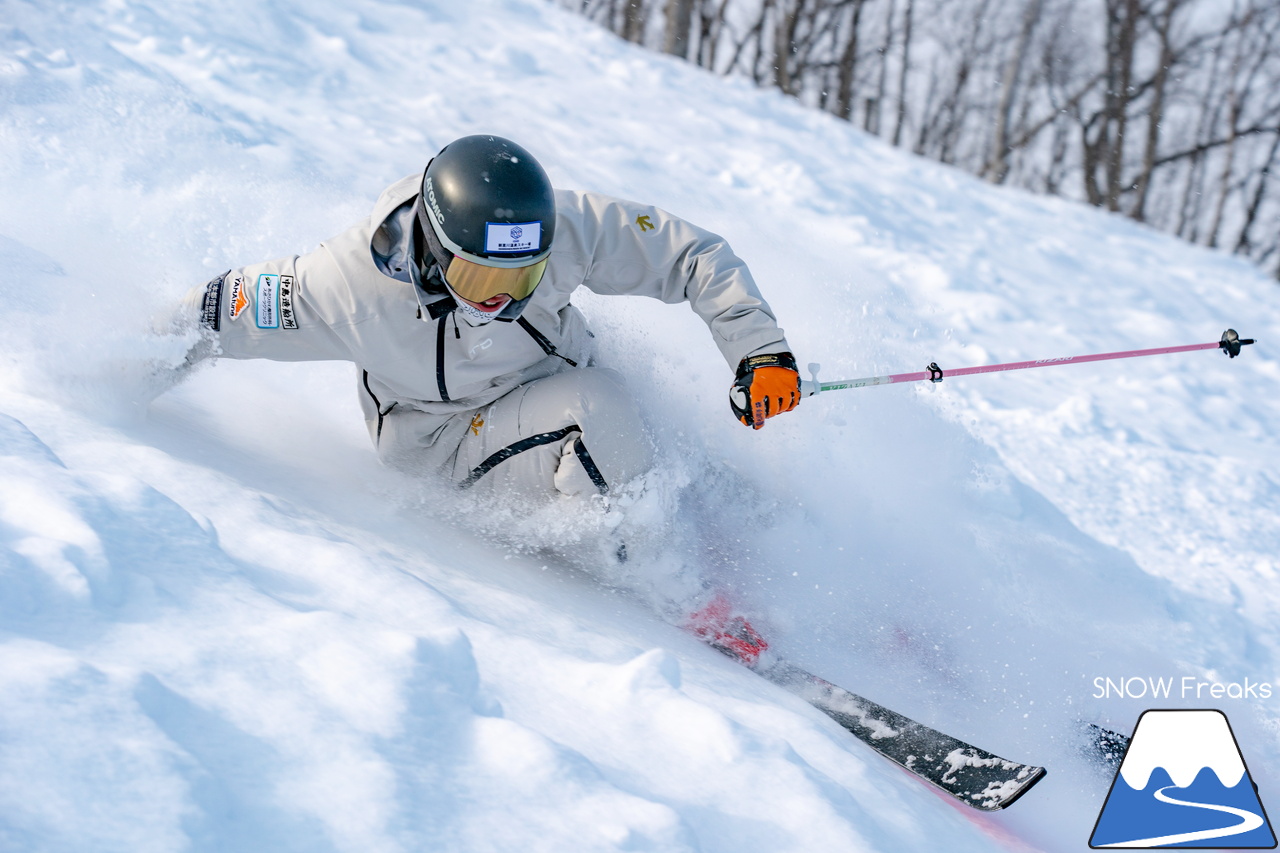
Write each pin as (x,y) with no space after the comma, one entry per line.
(357,298)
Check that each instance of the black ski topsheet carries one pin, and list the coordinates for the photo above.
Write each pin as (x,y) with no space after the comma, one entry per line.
(1103,747)
(973,776)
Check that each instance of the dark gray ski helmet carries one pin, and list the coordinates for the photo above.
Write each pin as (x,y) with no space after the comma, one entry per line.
(488,215)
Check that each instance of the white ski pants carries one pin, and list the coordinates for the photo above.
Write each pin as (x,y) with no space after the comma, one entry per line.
(577,432)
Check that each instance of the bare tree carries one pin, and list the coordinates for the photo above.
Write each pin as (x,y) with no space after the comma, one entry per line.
(1164,28)
(875,103)
(903,71)
(1259,194)
(634,15)
(848,62)
(997,166)
(1167,111)
(676,26)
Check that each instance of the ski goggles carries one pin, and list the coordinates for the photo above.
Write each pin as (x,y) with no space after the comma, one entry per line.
(478,282)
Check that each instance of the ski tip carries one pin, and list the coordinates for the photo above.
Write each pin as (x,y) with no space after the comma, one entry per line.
(1037,773)
(999,796)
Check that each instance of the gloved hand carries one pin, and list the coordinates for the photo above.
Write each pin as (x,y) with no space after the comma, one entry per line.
(766,385)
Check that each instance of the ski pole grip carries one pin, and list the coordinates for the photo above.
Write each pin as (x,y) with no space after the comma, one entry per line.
(810,387)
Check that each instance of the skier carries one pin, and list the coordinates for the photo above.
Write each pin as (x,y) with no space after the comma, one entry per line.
(453,300)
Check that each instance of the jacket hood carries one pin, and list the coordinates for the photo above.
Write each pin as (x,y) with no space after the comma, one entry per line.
(392,197)
(390,230)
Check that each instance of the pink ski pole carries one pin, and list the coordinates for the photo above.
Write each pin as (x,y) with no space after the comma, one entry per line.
(1230,344)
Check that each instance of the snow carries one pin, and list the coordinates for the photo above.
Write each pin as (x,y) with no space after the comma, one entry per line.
(224,627)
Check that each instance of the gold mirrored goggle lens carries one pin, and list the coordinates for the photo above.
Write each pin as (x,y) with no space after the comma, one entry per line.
(476,283)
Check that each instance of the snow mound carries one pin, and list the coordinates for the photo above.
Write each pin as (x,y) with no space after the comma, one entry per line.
(224,627)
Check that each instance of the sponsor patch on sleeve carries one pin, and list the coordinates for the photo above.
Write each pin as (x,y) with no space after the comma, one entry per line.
(211,306)
(238,298)
(268,301)
(512,237)
(288,319)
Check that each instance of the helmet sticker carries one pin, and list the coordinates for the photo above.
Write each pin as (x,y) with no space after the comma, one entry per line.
(512,237)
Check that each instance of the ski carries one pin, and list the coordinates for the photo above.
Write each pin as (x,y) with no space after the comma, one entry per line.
(1103,747)
(975,777)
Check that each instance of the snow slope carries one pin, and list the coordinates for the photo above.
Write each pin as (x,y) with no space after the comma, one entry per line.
(224,627)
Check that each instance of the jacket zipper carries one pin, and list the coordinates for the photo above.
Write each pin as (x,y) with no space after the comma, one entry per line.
(377,407)
(444,389)
(542,341)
